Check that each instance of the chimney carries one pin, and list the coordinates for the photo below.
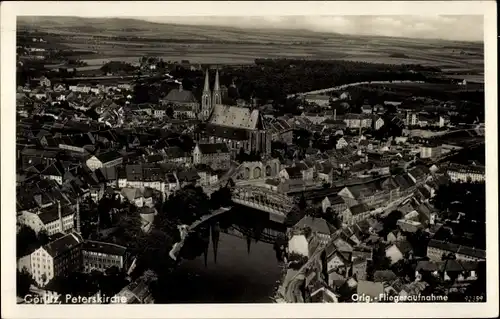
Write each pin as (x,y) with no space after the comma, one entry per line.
(78,226)
(59,213)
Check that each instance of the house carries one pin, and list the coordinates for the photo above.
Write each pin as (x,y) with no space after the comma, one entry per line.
(107,159)
(136,292)
(216,155)
(338,261)
(317,99)
(81,88)
(314,118)
(436,249)
(356,121)
(290,173)
(325,172)
(355,213)
(336,203)
(323,293)
(45,82)
(59,87)
(430,151)
(366,109)
(187,177)
(409,226)
(306,170)
(57,258)
(465,173)
(318,225)
(378,122)
(54,171)
(341,143)
(175,154)
(298,244)
(139,197)
(53,219)
(398,250)
(359,266)
(272,184)
(101,256)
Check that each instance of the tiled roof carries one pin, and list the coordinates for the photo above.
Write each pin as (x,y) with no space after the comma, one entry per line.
(183,96)
(108,156)
(63,244)
(213,148)
(232,133)
(50,214)
(316,224)
(103,247)
(359,209)
(236,117)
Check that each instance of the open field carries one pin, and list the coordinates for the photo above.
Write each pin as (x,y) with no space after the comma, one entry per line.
(128,39)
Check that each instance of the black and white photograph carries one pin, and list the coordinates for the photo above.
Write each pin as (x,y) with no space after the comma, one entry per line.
(250,158)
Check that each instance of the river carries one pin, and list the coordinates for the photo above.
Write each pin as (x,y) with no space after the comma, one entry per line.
(237,276)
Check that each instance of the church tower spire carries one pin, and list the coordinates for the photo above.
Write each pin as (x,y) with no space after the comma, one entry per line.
(207,82)
(216,94)
(206,98)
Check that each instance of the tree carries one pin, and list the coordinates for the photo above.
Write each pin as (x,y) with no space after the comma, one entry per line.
(187,205)
(390,222)
(302,202)
(23,283)
(43,237)
(26,241)
(379,262)
(169,112)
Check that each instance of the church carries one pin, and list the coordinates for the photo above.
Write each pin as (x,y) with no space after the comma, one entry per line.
(238,127)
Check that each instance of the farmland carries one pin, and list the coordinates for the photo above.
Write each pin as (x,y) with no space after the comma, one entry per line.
(102,40)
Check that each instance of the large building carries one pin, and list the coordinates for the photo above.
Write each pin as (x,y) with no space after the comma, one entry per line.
(180,99)
(101,256)
(57,258)
(214,155)
(464,173)
(53,219)
(240,128)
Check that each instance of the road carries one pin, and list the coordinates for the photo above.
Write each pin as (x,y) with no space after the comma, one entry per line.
(344,86)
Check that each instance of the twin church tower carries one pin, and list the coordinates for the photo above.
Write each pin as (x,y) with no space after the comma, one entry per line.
(209,98)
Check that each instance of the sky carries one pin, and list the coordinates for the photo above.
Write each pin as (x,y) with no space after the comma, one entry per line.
(448,27)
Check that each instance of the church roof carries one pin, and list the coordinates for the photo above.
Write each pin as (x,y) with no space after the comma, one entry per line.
(178,95)
(237,117)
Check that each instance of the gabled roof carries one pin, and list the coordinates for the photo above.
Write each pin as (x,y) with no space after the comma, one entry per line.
(103,247)
(293,172)
(359,209)
(63,244)
(316,224)
(50,214)
(108,156)
(213,148)
(180,96)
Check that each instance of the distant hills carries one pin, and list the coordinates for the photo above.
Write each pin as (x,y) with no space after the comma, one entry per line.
(119,26)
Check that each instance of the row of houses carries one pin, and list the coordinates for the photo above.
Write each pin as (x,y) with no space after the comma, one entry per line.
(70,253)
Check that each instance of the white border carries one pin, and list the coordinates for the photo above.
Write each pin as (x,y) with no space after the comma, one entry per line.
(9,11)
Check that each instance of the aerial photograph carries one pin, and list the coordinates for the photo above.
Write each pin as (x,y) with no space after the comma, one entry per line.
(260,159)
